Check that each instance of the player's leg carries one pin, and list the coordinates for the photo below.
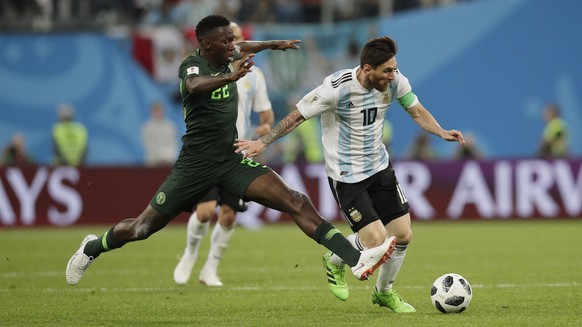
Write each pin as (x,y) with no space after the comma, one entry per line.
(197,227)
(271,191)
(390,200)
(367,237)
(187,183)
(221,235)
(401,228)
(383,293)
(357,208)
(128,230)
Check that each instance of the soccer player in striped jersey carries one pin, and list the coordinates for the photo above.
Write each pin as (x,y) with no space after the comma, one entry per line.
(352,104)
(252,96)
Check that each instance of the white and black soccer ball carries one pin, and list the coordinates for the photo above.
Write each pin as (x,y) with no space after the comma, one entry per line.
(451,293)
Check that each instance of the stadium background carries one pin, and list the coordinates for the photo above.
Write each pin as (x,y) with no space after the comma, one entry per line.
(486,67)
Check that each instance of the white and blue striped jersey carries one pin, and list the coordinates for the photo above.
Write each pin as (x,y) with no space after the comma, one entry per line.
(352,120)
(252,95)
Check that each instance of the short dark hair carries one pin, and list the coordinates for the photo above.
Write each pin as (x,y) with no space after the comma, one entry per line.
(377,51)
(208,24)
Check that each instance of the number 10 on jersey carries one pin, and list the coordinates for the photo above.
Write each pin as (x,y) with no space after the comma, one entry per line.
(369,116)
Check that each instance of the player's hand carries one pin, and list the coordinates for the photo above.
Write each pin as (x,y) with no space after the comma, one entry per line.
(285,44)
(250,148)
(454,136)
(244,65)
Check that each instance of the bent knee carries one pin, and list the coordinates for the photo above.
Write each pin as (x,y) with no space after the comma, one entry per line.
(227,219)
(372,235)
(205,212)
(298,202)
(375,240)
(404,237)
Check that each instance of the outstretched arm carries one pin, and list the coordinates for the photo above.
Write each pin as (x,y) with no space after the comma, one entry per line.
(257,46)
(207,83)
(285,126)
(424,119)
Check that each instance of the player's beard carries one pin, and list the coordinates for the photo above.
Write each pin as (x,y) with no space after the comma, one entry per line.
(381,86)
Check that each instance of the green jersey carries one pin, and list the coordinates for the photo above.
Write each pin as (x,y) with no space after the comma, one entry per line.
(210,117)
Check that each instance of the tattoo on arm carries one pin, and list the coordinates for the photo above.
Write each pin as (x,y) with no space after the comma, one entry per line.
(285,126)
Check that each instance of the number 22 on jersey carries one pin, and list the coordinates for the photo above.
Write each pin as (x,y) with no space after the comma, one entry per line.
(220,93)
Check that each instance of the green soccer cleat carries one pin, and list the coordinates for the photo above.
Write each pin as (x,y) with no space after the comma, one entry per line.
(336,277)
(392,300)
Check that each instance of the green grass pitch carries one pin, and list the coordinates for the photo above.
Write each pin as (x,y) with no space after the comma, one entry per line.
(523,273)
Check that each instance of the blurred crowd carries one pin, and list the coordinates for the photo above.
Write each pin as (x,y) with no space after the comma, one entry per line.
(161,33)
(46,15)
(159,137)
(70,141)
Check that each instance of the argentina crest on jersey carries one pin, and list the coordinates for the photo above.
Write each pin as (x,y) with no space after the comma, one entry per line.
(386,97)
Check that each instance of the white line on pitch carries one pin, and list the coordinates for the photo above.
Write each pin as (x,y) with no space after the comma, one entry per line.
(258,288)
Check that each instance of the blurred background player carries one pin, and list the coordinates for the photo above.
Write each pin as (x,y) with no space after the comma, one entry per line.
(303,146)
(421,148)
(160,138)
(470,151)
(252,92)
(554,141)
(70,138)
(15,154)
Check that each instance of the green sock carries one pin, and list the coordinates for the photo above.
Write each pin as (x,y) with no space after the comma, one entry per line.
(103,244)
(330,237)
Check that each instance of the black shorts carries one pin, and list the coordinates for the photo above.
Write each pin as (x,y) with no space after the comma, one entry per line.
(378,197)
(192,178)
(224,197)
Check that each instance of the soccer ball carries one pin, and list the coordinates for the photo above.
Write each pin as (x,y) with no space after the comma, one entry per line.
(451,293)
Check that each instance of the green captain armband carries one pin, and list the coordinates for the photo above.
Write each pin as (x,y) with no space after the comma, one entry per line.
(406,100)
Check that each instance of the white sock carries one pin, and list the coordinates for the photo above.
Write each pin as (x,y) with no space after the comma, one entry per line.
(195,233)
(388,271)
(218,244)
(354,239)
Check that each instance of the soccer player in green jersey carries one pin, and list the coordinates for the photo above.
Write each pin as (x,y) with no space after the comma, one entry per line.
(253,97)
(208,159)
